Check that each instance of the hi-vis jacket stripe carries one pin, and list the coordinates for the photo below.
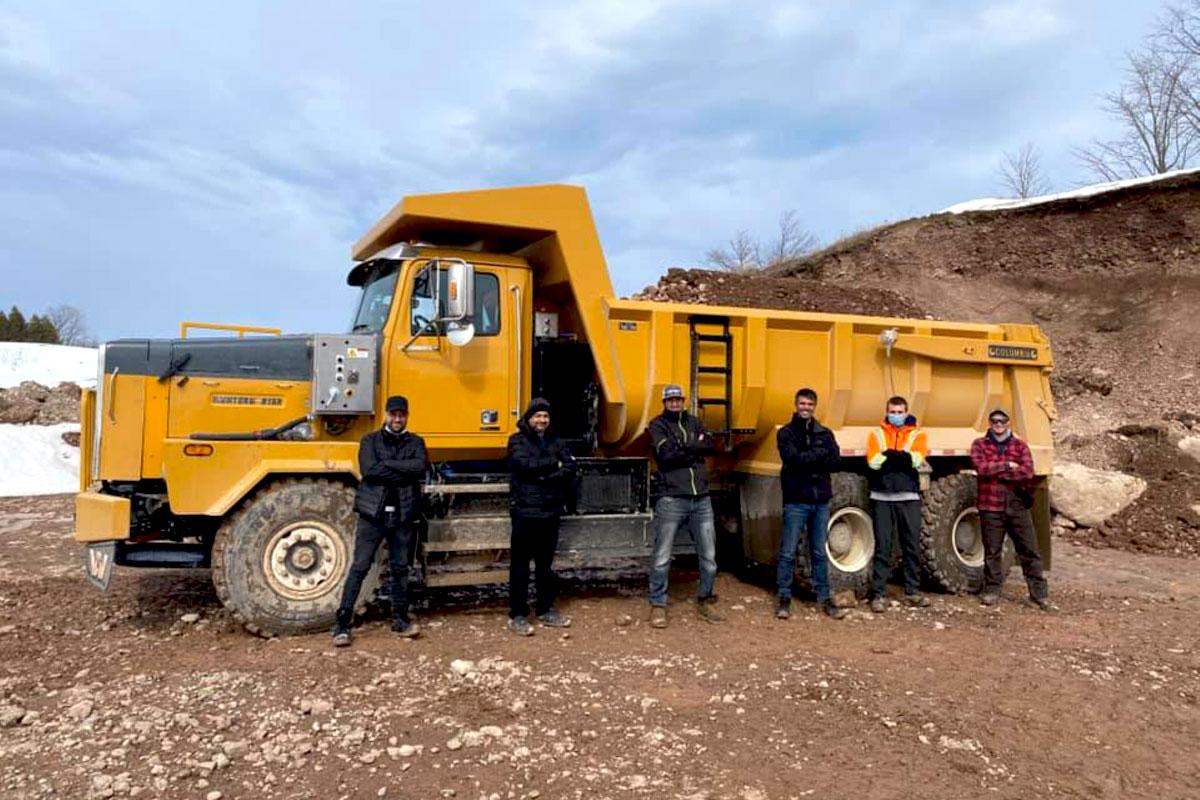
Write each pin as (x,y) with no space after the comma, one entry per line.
(909,438)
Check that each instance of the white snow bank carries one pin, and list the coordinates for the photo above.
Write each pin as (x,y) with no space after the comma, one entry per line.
(47,364)
(34,459)
(1000,204)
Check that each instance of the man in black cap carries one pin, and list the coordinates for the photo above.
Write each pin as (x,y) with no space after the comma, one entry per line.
(680,446)
(541,474)
(1003,468)
(392,462)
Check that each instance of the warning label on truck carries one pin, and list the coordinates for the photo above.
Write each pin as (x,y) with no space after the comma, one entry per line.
(246,400)
(1012,352)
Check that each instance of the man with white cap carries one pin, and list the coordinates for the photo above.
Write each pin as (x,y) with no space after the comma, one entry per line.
(680,446)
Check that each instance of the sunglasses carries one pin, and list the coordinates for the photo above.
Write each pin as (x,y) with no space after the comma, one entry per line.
(998,421)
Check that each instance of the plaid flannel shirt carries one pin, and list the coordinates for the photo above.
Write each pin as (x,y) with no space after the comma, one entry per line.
(995,479)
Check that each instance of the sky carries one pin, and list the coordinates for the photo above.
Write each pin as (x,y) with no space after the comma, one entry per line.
(215,161)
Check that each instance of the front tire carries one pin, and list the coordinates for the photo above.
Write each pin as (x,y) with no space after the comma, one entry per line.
(279,563)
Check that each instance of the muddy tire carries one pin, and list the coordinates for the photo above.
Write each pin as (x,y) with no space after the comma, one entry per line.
(951,541)
(851,546)
(279,562)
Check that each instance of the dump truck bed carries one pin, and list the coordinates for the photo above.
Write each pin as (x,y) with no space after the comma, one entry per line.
(952,373)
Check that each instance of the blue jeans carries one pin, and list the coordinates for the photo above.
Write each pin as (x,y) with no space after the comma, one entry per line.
(798,516)
(669,514)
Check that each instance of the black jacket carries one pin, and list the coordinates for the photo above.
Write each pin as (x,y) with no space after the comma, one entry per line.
(541,472)
(679,454)
(809,453)
(392,467)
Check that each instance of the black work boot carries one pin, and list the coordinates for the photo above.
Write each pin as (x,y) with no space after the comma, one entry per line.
(341,628)
(831,609)
(406,628)
(783,608)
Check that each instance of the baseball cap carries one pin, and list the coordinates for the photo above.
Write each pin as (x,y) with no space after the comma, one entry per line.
(672,390)
(998,412)
(397,402)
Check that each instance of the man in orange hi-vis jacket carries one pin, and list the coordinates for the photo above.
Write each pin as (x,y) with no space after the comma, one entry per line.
(895,450)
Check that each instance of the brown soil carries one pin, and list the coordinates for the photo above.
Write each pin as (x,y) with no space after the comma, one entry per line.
(123,694)
(1114,281)
(760,291)
(1164,519)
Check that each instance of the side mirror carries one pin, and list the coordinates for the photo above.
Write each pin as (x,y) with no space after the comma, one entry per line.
(460,334)
(460,291)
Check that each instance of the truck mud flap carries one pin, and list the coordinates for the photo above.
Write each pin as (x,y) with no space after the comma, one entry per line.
(98,560)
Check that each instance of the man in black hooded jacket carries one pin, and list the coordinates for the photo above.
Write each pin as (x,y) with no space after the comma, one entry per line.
(392,462)
(541,474)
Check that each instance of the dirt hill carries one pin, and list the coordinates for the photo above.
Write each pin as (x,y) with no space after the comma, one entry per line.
(1113,279)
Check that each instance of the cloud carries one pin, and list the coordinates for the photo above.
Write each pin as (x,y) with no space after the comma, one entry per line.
(166,161)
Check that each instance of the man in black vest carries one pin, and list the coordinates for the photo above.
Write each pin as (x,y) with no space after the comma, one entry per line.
(392,462)
(541,470)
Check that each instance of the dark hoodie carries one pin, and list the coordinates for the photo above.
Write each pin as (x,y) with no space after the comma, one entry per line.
(541,467)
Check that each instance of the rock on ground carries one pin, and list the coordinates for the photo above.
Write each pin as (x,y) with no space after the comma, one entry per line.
(1091,496)
(1191,446)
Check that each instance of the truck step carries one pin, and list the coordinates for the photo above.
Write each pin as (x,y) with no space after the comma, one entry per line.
(712,401)
(466,488)
(465,546)
(471,578)
(712,370)
(714,337)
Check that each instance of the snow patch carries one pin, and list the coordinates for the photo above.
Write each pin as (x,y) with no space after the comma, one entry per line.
(37,461)
(47,364)
(1001,204)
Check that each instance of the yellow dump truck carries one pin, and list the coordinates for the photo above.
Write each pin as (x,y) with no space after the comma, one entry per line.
(238,453)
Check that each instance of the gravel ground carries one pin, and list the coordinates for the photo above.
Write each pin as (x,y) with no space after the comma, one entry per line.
(151,690)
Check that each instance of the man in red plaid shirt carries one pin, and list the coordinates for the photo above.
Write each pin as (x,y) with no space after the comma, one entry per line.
(1004,466)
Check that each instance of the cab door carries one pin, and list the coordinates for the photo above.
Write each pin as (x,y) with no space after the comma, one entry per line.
(461,397)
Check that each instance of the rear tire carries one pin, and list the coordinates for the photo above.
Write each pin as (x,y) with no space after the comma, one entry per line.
(951,540)
(279,563)
(851,546)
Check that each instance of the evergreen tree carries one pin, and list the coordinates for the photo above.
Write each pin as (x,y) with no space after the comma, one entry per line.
(16,326)
(4,327)
(41,329)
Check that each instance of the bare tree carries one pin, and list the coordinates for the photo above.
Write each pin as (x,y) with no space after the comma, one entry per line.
(1021,172)
(744,253)
(739,254)
(791,242)
(69,322)
(1154,108)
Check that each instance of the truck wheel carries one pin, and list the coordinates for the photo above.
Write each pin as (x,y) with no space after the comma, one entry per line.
(951,539)
(851,546)
(280,561)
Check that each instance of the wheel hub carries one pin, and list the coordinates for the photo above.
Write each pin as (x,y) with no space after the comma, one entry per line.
(851,543)
(304,560)
(968,538)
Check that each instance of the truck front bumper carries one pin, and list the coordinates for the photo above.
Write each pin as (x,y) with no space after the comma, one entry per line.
(101,517)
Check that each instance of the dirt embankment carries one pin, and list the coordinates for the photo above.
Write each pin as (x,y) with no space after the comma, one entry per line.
(1114,281)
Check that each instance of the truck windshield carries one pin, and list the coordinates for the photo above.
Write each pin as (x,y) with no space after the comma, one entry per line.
(376,299)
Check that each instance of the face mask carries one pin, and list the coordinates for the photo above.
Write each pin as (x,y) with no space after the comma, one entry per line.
(897,419)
